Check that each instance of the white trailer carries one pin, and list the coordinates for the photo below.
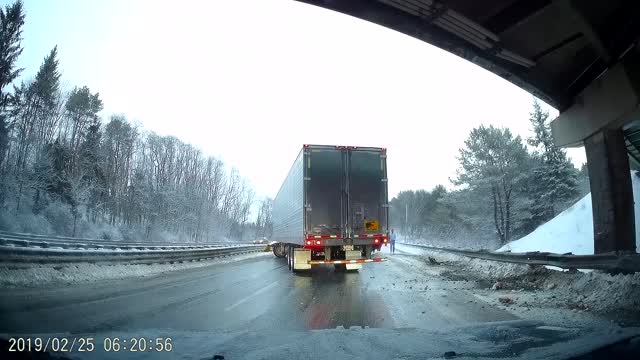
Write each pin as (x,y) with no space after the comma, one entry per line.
(332,208)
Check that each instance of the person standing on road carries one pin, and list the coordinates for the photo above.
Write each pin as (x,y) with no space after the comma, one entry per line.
(393,241)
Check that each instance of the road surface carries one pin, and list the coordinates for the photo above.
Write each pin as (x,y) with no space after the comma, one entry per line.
(253,294)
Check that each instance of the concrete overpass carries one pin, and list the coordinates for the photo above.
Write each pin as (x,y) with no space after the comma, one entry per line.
(580,56)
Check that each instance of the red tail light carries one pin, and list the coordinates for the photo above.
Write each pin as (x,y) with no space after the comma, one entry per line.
(318,242)
(308,242)
(376,241)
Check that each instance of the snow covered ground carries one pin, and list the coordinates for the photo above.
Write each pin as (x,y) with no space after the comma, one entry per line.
(572,230)
(49,275)
(538,293)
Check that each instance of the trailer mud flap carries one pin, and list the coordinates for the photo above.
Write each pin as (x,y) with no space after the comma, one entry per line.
(353,255)
(302,259)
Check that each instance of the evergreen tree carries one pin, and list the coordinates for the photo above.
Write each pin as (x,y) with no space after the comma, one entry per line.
(583,181)
(82,110)
(11,22)
(47,81)
(91,164)
(554,180)
(493,163)
(34,127)
(37,118)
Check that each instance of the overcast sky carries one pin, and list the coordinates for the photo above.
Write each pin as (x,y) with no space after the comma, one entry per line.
(251,81)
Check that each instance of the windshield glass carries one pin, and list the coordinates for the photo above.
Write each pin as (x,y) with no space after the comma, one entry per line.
(314,178)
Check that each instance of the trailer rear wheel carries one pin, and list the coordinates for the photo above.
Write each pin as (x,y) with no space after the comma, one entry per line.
(278,250)
(368,249)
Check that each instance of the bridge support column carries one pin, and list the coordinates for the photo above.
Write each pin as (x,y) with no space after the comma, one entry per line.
(611,192)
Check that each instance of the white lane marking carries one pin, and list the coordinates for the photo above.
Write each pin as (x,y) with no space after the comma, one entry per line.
(260,291)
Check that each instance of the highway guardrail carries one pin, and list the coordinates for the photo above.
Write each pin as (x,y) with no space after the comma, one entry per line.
(20,257)
(611,262)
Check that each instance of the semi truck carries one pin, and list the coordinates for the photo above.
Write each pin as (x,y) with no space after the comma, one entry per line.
(332,208)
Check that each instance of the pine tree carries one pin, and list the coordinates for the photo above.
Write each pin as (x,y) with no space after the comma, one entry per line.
(11,23)
(554,180)
(493,163)
(47,81)
(91,170)
(37,119)
(82,110)
(34,127)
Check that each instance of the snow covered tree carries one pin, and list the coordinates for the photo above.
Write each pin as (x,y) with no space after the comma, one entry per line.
(82,110)
(38,118)
(11,22)
(81,176)
(493,163)
(263,221)
(35,124)
(91,172)
(554,180)
(422,213)
(583,181)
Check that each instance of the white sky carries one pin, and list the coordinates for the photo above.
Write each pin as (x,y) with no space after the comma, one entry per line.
(251,81)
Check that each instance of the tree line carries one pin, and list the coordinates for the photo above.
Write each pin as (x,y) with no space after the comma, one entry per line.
(65,170)
(505,187)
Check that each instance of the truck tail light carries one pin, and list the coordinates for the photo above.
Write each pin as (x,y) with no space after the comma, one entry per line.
(308,242)
(376,241)
(385,240)
(318,242)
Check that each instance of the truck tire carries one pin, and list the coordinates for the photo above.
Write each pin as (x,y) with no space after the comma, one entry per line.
(278,250)
(289,253)
(368,250)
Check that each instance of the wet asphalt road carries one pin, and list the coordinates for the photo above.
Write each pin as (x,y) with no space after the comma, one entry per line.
(254,294)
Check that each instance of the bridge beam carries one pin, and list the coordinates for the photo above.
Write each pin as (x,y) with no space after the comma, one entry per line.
(610,102)
(611,192)
(596,119)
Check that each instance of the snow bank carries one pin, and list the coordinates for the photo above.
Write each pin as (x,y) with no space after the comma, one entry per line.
(572,230)
(537,287)
(39,275)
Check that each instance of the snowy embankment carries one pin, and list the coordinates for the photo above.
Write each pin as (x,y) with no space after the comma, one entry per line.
(39,275)
(572,230)
(539,293)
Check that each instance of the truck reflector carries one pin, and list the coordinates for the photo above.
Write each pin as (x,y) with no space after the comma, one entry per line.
(369,236)
(336,262)
(313,237)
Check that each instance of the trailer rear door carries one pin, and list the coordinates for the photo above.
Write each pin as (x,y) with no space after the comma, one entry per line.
(367,191)
(324,188)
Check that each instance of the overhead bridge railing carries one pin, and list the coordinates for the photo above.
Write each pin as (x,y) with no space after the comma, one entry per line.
(614,263)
